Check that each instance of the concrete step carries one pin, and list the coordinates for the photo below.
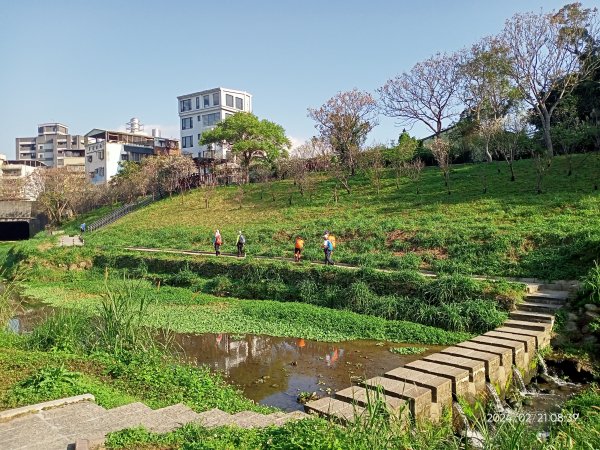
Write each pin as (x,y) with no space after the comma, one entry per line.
(476,368)
(440,387)
(545,308)
(418,398)
(294,415)
(527,325)
(491,361)
(549,296)
(136,408)
(541,338)
(531,316)
(179,413)
(528,341)
(458,377)
(249,419)
(338,409)
(214,418)
(505,354)
(517,348)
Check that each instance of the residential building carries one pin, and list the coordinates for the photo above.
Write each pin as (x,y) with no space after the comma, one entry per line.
(53,146)
(105,149)
(15,180)
(201,111)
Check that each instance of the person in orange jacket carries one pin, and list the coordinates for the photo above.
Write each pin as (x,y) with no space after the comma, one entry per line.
(298,246)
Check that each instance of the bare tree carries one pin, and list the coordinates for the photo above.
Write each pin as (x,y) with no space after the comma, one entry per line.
(511,138)
(208,191)
(427,94)
(440,149)
(546,51)
(239,195)
(372,164)
(60,192)
(344,122)
(313,148)
(487,89)
(412,170)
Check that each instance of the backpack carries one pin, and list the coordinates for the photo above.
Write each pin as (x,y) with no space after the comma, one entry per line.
(332,240)
(242,239)
(329,245)
(300,243)
(218,240)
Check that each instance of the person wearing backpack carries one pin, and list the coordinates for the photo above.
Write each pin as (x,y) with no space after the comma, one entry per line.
(241,241)
(217,242)
(298,246)
(327,249)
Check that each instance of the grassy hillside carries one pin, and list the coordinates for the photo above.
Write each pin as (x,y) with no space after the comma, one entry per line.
(510,230)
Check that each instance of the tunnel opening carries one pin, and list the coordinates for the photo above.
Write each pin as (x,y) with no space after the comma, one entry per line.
(14,231)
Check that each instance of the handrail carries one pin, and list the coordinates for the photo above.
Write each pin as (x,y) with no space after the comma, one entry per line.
(118,213)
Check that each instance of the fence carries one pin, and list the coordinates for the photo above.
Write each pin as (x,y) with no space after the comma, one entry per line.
(118,213)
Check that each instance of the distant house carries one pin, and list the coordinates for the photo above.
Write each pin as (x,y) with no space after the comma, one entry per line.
(53,146)
(16,182)
(201,111)
(105,149)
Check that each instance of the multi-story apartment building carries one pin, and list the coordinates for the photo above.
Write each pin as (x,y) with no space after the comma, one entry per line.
(104,150)
(53,146)
(201,111)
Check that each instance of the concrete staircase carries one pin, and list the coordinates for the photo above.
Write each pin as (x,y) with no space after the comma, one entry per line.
(425,387)
(79,423)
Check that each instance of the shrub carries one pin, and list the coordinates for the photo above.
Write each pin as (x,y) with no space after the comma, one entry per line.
(590,288)
(65,331)
(221,286)
(450,288)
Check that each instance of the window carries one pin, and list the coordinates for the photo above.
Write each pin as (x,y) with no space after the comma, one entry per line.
(229,100)
(187,123)
(197,102)
(210,119)
(206,101)
(216,99)
(186,142)
(199,135)
(239,103)
(186,105)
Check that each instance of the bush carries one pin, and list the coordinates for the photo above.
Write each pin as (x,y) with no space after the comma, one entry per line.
(63,331)
(450,289)
(590,288)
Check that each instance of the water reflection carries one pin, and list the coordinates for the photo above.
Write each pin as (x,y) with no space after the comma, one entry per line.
(273,370)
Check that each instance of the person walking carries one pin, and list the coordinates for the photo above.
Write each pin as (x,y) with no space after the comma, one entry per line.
(241,241)
(298,246)
(327,249)
(217,242)
(82,227)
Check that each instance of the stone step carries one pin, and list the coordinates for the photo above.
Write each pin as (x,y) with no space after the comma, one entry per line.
(531,316)
(364,398)
(476,368)
(440,387)
(214,418)
(505,354)
(542,339)
(520,357)
(331,407)
(528,341)
(545,308)
(526,325)
(491,361)
(419,399)
(294,415)
(250,419)
(127,410)
(179,413)
(545,296)
(458,377)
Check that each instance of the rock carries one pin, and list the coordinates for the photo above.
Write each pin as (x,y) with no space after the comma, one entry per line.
(590,340)
(572,317)
(589,315)
(591,307)
(73,267)
(83,264)
(585,329)
(526,401)
(571,327)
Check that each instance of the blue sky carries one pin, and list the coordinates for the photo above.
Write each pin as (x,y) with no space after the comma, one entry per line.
(97,64)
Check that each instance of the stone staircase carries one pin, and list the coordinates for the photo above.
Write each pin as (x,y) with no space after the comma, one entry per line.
(425,387)
(79,423)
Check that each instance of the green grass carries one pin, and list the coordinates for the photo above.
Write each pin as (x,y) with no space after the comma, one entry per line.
(183,310)
(377,432)
(511,230)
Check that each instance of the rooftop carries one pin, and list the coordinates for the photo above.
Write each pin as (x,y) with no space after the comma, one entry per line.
(208,91)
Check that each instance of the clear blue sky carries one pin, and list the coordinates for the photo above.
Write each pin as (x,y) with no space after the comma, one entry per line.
(96,64)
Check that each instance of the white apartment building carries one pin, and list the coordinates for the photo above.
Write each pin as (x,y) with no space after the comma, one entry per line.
(201,111)
(53,146)
(105,149)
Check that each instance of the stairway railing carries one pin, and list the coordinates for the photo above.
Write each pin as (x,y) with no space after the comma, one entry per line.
(118,213)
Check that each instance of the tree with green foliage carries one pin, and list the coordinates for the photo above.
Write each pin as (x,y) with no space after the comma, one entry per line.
(402,154)
(344,122)
(249,138)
